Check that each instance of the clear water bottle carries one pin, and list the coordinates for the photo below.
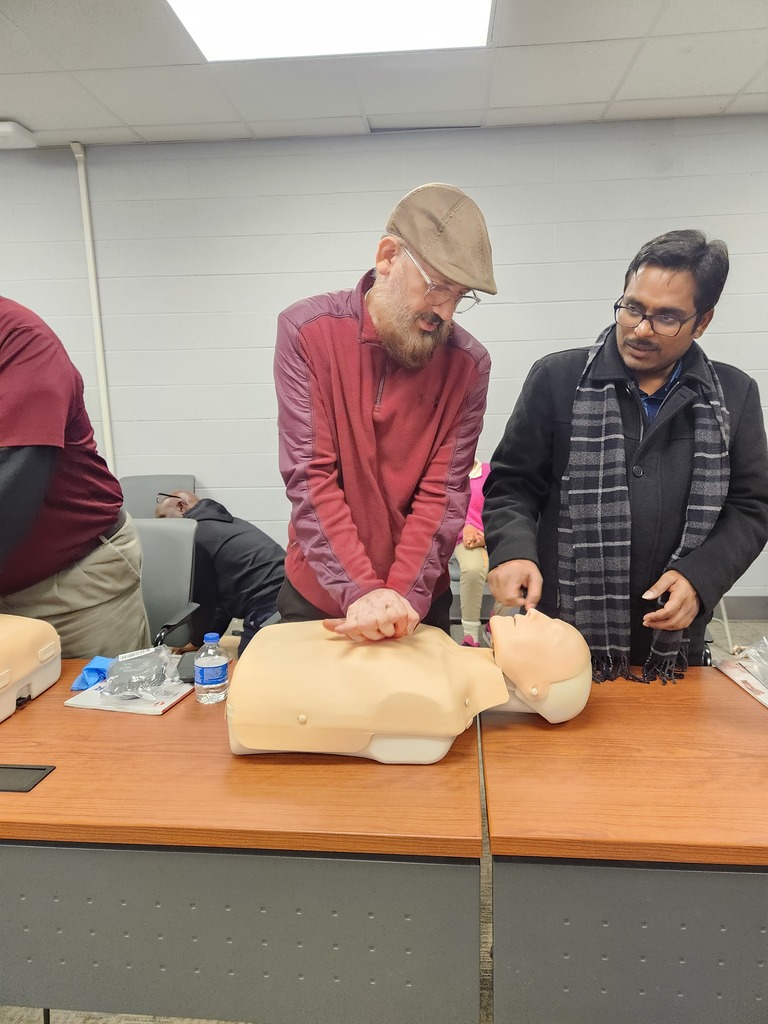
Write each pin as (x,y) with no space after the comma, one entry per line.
(211,664)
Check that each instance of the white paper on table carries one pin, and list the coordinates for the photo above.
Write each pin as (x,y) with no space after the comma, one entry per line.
(739,671)
(95,699)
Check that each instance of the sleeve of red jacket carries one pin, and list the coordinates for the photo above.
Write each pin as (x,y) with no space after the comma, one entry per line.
(440,504)
(324,527)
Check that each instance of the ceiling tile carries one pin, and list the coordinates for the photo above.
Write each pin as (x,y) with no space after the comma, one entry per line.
(20,54)
(87,136)
(677,106)
(49,100)
(567,73)
(695,65)
(289,89)
(444,80)
(212,132)
(759,83)
(527,22)
(426,120)
(104,33)
(173,95)
(565,113)
(291,128)
(551,61)
(683,16)
(750,103)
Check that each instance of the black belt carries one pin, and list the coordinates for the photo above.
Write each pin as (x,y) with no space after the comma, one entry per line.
(118,524)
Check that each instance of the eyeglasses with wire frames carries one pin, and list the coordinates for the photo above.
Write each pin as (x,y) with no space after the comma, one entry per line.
(437,294)
(665,324)
(161,496)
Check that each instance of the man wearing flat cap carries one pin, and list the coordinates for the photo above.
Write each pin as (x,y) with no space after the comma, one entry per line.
(381,398)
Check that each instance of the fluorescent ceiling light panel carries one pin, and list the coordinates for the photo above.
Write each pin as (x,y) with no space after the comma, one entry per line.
(261,29)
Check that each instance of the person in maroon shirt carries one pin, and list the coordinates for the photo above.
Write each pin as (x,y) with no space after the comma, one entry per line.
(381,396)
(69,554)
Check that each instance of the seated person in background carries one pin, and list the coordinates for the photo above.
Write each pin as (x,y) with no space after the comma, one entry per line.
(472,557)
(69,554)
(238,568)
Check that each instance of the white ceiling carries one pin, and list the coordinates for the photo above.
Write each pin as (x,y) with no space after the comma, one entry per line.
(120,71)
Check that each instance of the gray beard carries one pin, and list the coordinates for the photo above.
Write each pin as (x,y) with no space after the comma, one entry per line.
(414,351)
(404,341)
(401,337)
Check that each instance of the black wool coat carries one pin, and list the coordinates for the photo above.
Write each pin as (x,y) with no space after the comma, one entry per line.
(522,493)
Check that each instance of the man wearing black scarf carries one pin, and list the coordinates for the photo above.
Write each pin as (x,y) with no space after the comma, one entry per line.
(630,489)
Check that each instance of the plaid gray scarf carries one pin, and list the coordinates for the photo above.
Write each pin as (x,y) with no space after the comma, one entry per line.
(594,528)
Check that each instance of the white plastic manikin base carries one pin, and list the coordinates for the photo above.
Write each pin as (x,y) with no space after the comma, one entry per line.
(30,660)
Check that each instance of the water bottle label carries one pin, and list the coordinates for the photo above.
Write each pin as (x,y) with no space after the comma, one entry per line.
(213,675)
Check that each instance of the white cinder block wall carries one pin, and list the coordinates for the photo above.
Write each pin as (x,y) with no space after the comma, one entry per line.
(199,245)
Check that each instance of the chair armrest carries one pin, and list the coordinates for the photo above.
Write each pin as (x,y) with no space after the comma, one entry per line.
(183,615)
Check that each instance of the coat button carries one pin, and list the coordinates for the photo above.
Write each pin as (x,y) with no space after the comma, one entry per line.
(637,471)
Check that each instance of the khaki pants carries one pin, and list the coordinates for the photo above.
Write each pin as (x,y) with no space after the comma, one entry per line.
(95,605)
(473,563)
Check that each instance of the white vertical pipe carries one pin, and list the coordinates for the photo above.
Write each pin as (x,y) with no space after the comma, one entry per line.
(93,284)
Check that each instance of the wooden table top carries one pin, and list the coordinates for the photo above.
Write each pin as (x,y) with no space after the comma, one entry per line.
(656,773)
(171,780)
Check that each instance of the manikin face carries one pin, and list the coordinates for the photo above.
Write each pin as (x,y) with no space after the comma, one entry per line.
(651,357)
(410,328)
(533,649)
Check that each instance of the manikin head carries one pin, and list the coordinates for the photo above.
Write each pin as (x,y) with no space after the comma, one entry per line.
(174,504)
(546,664)
(434,256)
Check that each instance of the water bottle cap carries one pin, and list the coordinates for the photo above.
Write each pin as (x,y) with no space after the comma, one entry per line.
(211,638)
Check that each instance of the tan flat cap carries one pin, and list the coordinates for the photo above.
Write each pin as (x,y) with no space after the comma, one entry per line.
(446,228)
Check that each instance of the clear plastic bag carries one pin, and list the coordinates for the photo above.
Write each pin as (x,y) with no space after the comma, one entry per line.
(755,660)
(142,674)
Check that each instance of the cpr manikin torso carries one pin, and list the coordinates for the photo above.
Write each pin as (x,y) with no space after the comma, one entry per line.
(299,687)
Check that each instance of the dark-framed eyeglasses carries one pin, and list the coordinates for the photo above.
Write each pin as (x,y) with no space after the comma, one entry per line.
(161,497)
(437,294)
(661,323)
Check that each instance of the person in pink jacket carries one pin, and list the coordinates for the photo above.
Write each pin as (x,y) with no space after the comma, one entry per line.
(472,557)
(380,404)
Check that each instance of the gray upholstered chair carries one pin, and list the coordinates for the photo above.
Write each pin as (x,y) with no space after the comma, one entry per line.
(167,573)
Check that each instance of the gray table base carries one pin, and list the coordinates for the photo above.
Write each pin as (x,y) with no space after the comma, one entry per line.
(240,935)
(592,943)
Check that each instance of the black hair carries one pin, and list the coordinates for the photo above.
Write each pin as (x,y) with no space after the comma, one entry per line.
(688,250)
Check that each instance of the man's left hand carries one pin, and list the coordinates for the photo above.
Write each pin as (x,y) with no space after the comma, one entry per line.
(682,605)
(376,616)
